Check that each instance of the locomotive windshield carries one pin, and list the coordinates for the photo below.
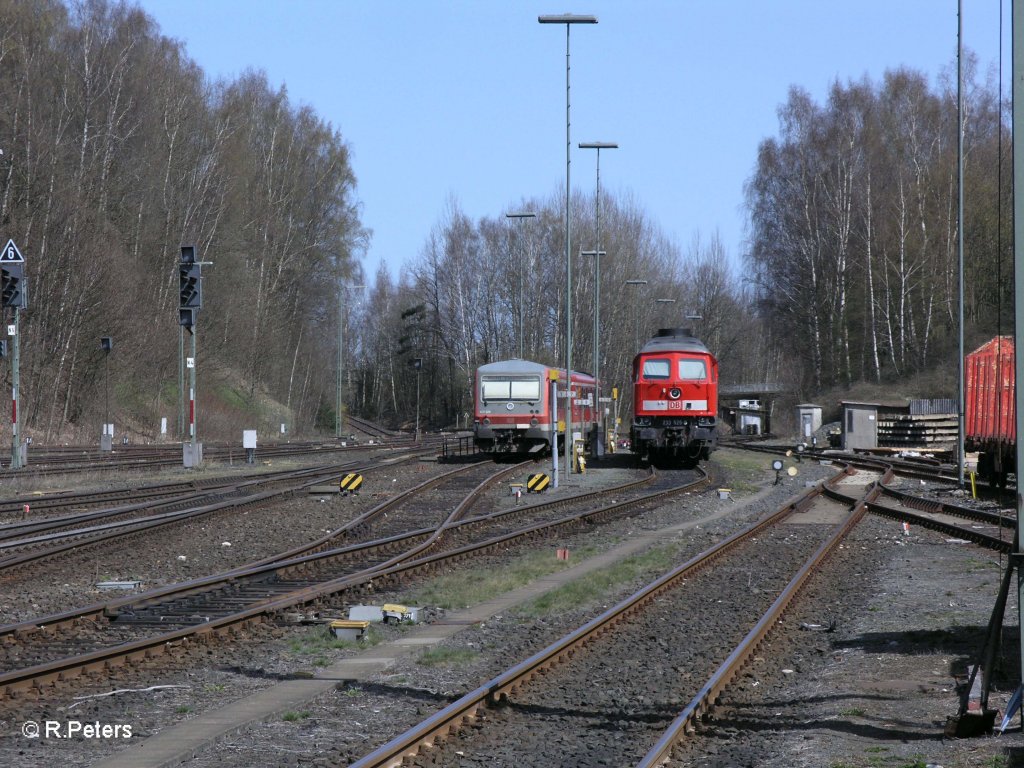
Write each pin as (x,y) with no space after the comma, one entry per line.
(510,388)
(657,369)
(692,370)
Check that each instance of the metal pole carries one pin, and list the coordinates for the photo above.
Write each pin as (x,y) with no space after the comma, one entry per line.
(568,271)
(960,239)
(192,399)
(598,145)
(554,430)
(181,382)
(417,436)
(1018,282)
(521,298)
(597,292)
(636,313)
(568,20)
(341,352)
(15,392)
(521,217)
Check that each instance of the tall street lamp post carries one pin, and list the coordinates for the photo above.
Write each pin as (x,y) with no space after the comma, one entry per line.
(521,216)
(568,19)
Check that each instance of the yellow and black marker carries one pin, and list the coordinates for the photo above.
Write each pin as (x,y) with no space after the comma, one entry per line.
(537,483)
(350,483)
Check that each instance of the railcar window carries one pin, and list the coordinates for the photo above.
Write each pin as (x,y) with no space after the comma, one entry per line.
(526,390)
(657,369)
(510,389)
(496,390)
(692,370)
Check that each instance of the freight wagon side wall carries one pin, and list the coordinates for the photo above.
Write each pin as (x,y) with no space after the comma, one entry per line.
(990,407)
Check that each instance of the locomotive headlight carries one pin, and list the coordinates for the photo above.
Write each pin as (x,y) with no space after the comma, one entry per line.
(486,421)
(674,393)
(534,422)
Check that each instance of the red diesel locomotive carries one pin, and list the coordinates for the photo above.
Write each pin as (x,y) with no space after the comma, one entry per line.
(514,412)
(675,399)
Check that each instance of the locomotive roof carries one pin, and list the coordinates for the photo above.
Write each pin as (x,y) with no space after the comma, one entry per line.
(674,340)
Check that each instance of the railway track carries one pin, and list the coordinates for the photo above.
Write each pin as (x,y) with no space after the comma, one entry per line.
(589,702)
(990,529)
(924,468)
(31,541)
(58,460)
(37,652)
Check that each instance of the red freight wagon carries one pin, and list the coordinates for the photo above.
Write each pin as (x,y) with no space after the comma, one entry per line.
(990,414)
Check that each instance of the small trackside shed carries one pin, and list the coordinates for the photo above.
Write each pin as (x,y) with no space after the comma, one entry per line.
(860,425)
(808,419)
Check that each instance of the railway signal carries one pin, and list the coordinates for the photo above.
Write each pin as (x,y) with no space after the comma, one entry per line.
(190,283)
(190,287)
(12,286)
(13,294)
(107,438)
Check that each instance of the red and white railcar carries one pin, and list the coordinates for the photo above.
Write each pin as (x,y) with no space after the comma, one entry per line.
(514,411)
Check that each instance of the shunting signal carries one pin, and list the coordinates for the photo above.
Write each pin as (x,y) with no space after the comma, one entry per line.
(537,483)
(350,483)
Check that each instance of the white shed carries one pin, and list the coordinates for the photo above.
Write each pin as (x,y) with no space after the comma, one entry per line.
(808,419)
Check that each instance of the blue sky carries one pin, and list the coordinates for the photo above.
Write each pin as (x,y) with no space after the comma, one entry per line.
(456,100)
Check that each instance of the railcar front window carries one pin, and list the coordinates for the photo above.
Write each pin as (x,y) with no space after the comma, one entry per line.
(510,389)
(526,389)
(496,390)
(692,370)
(657,369)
